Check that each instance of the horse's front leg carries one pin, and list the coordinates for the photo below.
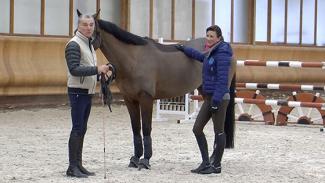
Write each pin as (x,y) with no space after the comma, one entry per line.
(134,112)
(146,103)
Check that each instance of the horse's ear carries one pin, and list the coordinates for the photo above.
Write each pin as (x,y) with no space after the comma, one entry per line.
(78,12)
(96,15)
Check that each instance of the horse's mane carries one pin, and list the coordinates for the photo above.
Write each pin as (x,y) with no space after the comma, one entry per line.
(120,34)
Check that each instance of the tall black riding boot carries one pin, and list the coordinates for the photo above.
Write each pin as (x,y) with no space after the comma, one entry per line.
(73,169)
(203,145)
(218,149)
(79,159)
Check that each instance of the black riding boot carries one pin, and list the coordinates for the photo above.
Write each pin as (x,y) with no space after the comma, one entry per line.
(138,151)
(73,169)
(79,159)
(218,149)
(205,165)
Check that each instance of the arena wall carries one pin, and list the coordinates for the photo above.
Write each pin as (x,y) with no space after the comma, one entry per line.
(36,65)
(280,53)
(33,66)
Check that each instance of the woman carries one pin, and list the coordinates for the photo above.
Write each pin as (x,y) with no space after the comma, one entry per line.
(216,67)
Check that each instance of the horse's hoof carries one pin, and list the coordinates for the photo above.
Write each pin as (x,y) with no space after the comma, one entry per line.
(134,162)
(143,163)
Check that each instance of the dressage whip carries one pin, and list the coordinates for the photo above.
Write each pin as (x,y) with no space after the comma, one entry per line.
(104,137)
(103,98)
(106,98)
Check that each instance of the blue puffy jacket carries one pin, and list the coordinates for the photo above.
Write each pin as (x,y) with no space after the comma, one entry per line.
(216,66)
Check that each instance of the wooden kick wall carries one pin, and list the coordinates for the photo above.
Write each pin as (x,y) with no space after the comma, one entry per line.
(33,66)
(36,65)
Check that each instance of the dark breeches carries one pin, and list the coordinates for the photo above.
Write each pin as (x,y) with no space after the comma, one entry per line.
(205,114)
(80,110)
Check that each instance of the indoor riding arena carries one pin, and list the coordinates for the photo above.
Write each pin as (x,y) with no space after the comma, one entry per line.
(279,55)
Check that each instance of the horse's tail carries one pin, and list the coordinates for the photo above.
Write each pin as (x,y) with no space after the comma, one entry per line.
(230,115)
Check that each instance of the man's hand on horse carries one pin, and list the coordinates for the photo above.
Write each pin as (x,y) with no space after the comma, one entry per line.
(103,69)
(180,47)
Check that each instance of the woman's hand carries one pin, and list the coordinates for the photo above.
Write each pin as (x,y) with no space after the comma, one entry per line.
(180,47)
(214,109)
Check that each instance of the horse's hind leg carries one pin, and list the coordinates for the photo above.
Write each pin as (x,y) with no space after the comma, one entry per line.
(134,112)
(146,102)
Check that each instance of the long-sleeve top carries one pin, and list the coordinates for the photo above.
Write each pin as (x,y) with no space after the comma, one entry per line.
(216,66)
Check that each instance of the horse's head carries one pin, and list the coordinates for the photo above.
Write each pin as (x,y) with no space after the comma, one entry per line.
(96,38)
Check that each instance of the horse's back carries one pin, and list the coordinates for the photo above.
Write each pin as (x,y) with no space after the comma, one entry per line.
(177,74)
(197,44)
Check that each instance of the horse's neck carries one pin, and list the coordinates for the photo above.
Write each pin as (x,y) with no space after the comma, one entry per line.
(117,52)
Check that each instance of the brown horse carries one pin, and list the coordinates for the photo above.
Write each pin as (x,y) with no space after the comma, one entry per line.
(145,71)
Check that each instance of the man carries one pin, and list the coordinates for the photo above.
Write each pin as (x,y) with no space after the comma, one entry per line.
(82,77)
